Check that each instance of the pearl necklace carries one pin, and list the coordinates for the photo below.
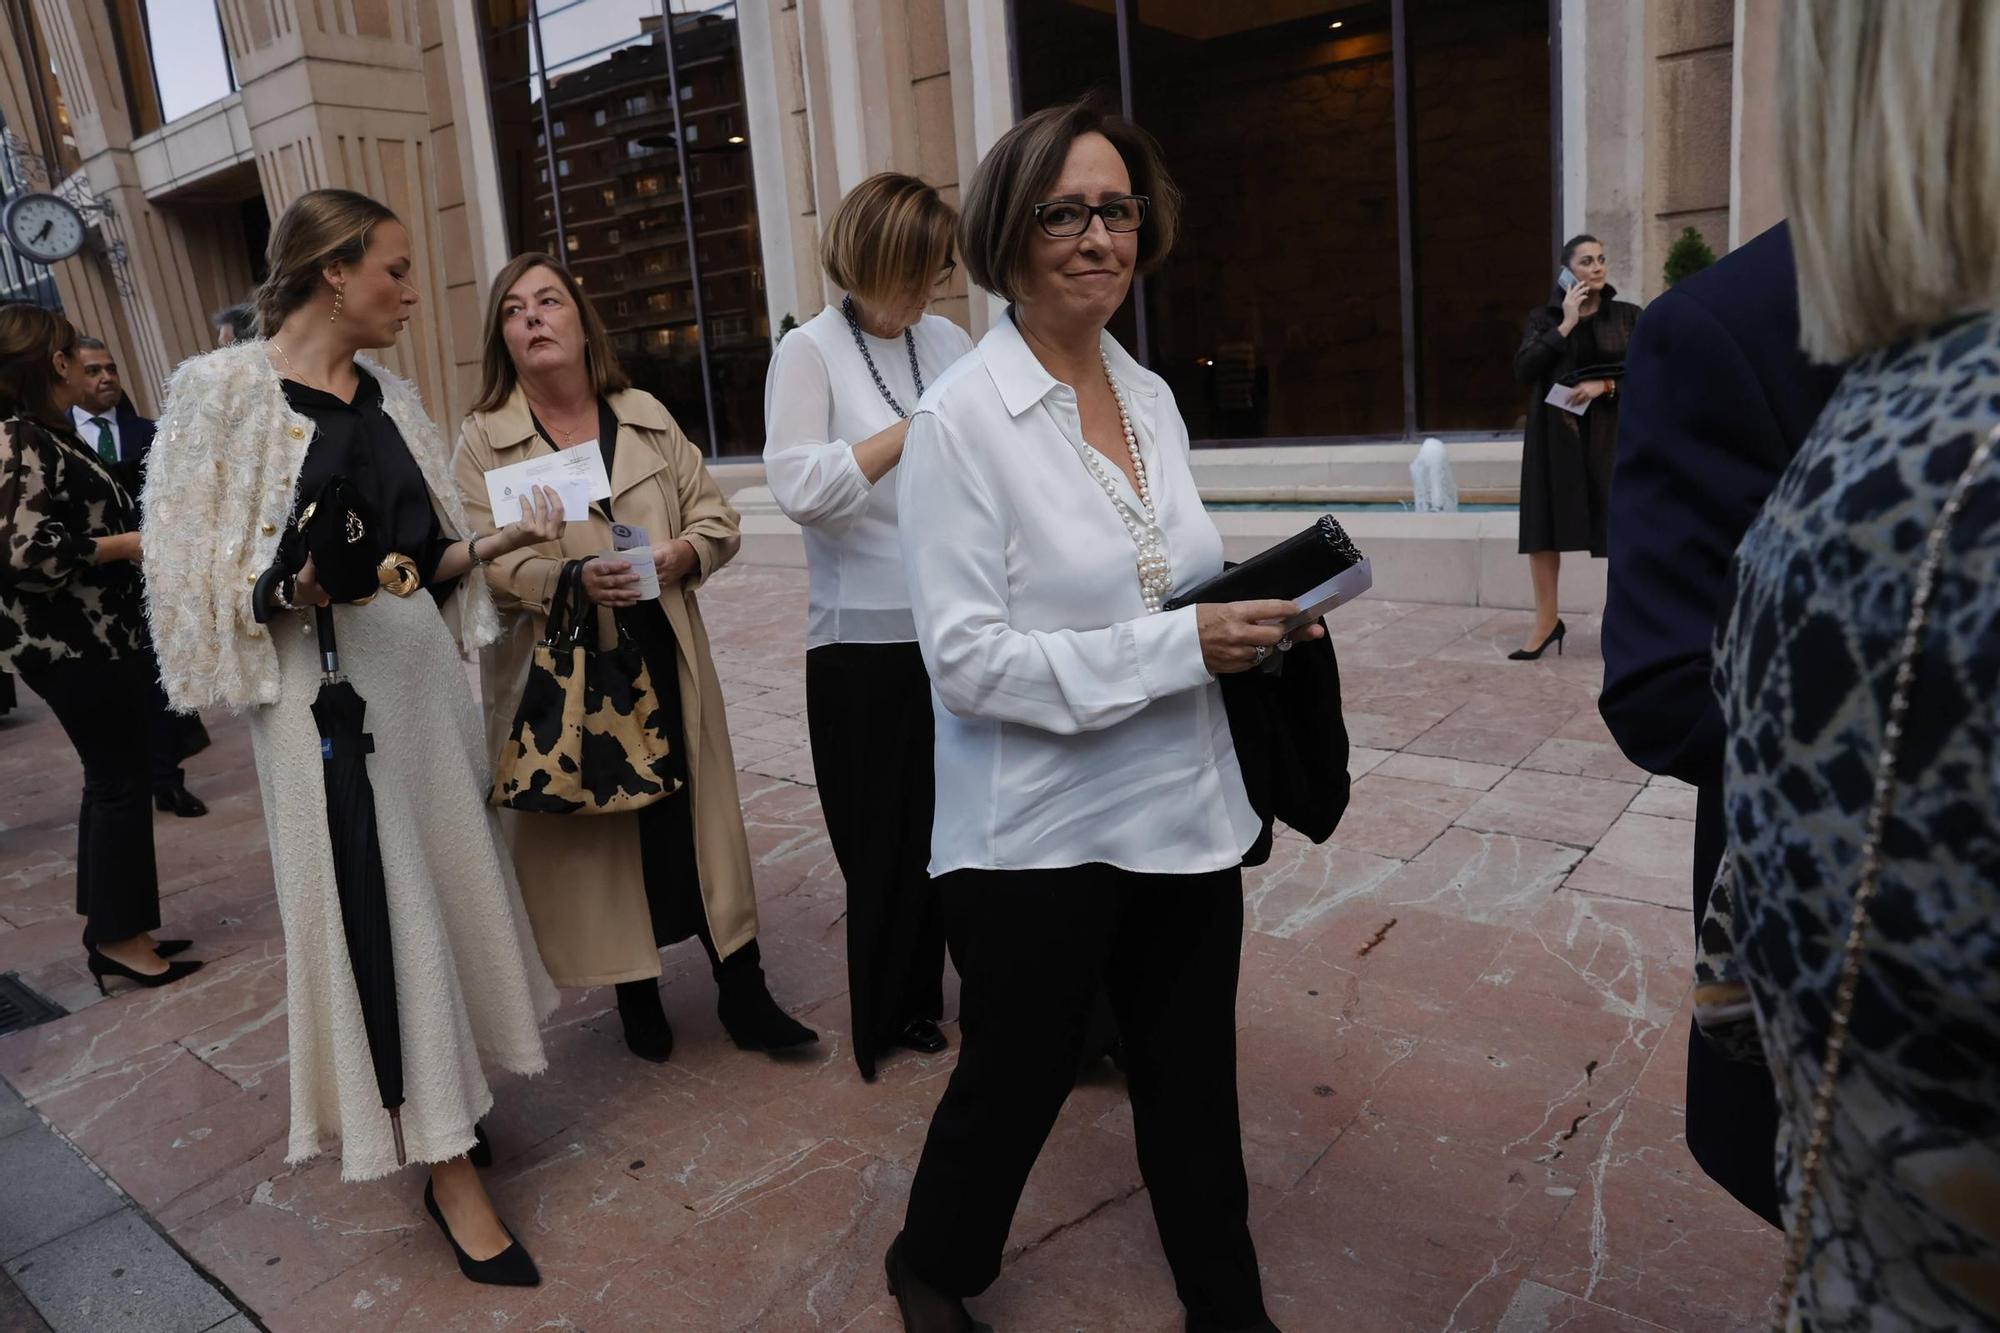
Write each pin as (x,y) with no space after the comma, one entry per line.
(1156,577)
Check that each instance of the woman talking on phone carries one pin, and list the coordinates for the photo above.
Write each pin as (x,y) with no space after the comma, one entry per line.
(1574,350)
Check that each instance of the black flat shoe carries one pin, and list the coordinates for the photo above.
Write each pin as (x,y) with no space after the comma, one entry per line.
(924,1308)
(168,948)
(1529,655)
(102,967)
(481,1152)
(648,1035)
(921,1035)
(510,1268)
(179,801)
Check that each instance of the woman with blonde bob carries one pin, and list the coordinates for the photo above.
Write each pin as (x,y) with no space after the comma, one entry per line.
(251,434)
(1091,815)
(837,404)
(1872,973)
(607,892)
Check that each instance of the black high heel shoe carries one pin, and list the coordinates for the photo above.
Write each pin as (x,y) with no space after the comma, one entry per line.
(102,967)
(1529,655)
(924,1308)
(648,1035)
(168,948)
(510,1268)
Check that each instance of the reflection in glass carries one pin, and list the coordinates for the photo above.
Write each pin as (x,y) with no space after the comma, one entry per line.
(1480,180)
(190,66)
(1279,312)
(626,230)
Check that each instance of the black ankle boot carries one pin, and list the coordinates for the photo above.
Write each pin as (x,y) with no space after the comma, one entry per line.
(749,1014)
(648,1035)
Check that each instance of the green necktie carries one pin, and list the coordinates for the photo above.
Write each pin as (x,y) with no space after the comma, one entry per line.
(107,449)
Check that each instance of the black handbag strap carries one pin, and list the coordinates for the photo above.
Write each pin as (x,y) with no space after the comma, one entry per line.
(566,606)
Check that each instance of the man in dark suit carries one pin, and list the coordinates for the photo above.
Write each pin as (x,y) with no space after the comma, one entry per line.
(109,424)
(1717,398)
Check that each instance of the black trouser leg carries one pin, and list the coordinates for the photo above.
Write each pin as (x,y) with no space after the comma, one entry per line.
(104,708)
(1031,948)
(165,729)
(1175,957)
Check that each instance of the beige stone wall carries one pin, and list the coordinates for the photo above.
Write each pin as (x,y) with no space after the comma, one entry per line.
(1756,201)
(359,96)
(862,86)
(1688,164)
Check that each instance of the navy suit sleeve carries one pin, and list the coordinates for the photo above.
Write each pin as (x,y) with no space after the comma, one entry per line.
(1699,450)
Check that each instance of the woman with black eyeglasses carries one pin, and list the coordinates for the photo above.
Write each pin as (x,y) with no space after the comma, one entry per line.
(1091,815)
(837,402)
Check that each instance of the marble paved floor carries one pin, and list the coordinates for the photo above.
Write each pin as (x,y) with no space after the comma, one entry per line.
(1462,1024)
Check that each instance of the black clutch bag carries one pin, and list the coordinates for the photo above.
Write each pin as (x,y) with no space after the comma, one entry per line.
(337,528)
(1320,568)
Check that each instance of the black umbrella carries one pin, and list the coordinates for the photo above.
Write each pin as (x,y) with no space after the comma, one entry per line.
(344,748)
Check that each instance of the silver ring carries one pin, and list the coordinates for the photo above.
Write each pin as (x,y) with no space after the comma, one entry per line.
(1285,644)
(1262,653)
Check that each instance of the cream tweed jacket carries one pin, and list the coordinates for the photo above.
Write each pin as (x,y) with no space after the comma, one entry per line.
(221,483)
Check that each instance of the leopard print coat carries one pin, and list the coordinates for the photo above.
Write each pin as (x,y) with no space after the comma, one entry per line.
(1905,1233)
(56,601)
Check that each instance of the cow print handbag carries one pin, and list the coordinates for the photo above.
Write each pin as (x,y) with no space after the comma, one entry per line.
(588,738)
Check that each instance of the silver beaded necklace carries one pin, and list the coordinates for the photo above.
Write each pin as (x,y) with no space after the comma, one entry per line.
(1156,575)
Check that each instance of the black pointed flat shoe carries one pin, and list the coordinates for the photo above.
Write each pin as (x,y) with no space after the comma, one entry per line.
(921,1035)
(510,1268)
(179,801)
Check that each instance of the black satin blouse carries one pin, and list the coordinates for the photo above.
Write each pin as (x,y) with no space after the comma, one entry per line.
(358,441)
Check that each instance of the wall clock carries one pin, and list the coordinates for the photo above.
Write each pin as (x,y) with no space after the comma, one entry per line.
(45,228)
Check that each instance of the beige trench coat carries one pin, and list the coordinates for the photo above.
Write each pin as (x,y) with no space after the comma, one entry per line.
(581,875)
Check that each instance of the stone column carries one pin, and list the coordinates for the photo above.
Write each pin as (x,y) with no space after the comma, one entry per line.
(1756,201)
(1691,46)
(839,90)
(336,96)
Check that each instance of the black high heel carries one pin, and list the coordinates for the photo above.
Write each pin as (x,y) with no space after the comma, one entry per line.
(924,1308)
(1555,637)
(168,948)
(510,1268)
(102,967)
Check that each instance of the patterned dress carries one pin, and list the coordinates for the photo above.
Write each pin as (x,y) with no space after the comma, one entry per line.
(1905,1232)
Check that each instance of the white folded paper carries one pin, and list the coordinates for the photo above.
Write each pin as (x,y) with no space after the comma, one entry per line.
(576,474)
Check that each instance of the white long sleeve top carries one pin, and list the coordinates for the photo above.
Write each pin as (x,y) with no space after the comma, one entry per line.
(1073,727)
(819,402)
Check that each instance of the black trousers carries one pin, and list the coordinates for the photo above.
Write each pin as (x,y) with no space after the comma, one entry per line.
(104,706)
(168,732)
(1032,949)
(868,711)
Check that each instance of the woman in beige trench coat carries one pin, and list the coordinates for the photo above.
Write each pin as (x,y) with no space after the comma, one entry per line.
(606,892)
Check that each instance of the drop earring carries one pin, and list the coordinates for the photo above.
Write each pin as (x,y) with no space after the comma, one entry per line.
(339,296)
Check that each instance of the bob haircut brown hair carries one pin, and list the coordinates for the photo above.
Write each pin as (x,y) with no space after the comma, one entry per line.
(1022,167)
(320,227)
(497,375)
(888,239)
(30,337)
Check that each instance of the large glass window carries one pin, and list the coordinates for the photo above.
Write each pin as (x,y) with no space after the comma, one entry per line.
(670,256)
(190,63)
(1294,129)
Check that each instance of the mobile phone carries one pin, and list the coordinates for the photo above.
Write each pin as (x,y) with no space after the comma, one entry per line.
(1565,279)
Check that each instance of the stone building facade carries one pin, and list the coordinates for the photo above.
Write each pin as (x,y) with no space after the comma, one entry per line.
(1375,188)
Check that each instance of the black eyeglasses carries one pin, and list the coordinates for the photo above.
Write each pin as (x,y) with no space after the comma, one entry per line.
(1066,217)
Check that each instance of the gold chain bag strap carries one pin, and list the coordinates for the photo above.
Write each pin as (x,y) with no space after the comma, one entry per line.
(1870,877)
(587,737)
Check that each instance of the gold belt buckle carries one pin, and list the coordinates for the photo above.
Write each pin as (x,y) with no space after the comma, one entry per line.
(398,574)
